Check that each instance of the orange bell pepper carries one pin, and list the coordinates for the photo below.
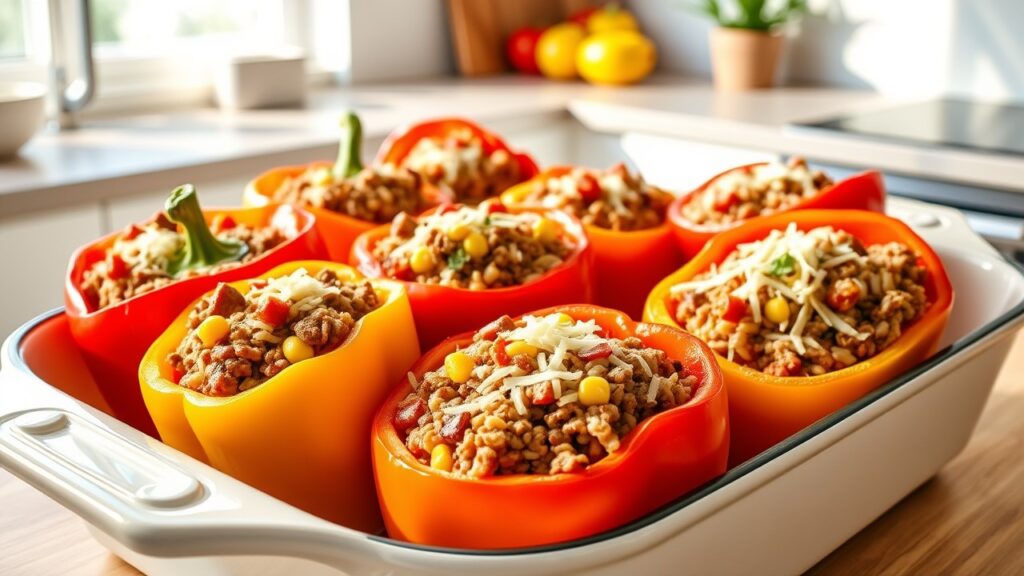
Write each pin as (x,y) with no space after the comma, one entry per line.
(626,264)
(301,435)
(443,310)
(401,142)
(113,339)
(766,409)
(338,230)
(864,191)
(664,457)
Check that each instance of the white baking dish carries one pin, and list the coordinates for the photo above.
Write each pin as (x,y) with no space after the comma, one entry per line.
(779,513)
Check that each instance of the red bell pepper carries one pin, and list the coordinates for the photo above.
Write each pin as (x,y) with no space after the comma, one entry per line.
(443,310)
(864,191)
(664,457)
(113,339)
(400,143)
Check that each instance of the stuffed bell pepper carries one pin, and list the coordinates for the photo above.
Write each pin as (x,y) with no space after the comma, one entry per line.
(554,426)
(746,192)
(464,265)
(346,197)
(459,157)
(807,311)
(123,290)
(275,381)
(625,221)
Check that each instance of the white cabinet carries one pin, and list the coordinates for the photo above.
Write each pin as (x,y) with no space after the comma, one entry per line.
(34,252)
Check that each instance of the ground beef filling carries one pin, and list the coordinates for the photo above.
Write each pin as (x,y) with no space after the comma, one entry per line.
(742,194)
(486,425)
(137,261)
(852,303)
(472,247)
(460,165)
(612,199)
(375,194)
(255,347)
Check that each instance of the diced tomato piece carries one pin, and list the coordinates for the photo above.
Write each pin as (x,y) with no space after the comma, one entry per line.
(224,222)
(490,332)
(736,310)
(453,426)
(117,268)
(494,207)
(274,311)
(409,412)
(176,374)
(131,232)
(500,355)
(722,204)
(257,284)
(596,352)
(542,394)
(588,188)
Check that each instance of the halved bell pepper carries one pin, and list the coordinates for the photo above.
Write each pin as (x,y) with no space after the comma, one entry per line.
(301,435)
(338,230)
(626,264)
(441,311)
(401,142)
(863,191)
(766,409)
(113,339)
(664,457)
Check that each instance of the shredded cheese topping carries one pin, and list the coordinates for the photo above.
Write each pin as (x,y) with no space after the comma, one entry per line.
(811,254)
(300,290)
(151,251)
(473,217)
(553,340)
(430,152)
(613,190)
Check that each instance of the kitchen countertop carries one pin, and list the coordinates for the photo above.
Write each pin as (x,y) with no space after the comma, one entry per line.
(966,519)
(116,156)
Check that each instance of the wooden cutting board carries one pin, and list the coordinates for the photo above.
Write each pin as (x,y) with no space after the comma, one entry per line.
(479,28)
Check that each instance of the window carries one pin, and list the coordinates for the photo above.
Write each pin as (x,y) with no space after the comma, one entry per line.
(151,54)
(12,30)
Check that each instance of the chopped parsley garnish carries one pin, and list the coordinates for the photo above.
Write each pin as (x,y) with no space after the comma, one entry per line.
(783,265)
(457,259)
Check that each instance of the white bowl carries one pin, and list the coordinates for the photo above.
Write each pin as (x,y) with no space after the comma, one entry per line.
(21,114)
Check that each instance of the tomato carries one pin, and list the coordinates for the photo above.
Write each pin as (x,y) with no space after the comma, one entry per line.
(616,57)
(556,50)
(521,49)
(610,18)
(736,310)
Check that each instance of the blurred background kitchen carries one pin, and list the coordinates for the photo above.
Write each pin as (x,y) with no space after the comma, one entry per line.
(105,105)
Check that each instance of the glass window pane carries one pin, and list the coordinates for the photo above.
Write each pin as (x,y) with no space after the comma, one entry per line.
(138,27)
(12,29)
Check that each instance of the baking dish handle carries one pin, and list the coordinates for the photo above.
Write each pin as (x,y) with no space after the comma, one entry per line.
(161,504)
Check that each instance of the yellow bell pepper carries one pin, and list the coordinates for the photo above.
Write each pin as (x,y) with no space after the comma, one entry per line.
(301,436)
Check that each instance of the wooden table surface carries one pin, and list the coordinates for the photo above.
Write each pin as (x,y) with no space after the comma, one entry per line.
(969,519)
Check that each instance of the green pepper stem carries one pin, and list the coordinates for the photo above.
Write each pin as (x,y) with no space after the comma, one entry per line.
(348,163)
(202,249)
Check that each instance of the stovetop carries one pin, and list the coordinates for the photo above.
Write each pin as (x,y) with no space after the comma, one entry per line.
(978,126)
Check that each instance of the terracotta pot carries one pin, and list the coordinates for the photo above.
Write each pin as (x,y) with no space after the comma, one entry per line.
(744,59)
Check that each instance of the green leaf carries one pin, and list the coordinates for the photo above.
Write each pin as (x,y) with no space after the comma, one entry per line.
(783,265)
(457,259)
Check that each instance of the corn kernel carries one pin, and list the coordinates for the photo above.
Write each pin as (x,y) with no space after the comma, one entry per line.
(777,310)
(476,245)
(441,458)
(322,177)
(458,366)
(459,232)
(594,390)
(565,320)
(422,260)
(545,229)
(519,347)
(212,330)
(295,350)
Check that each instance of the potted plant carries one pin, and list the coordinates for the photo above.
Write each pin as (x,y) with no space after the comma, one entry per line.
(746,45)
